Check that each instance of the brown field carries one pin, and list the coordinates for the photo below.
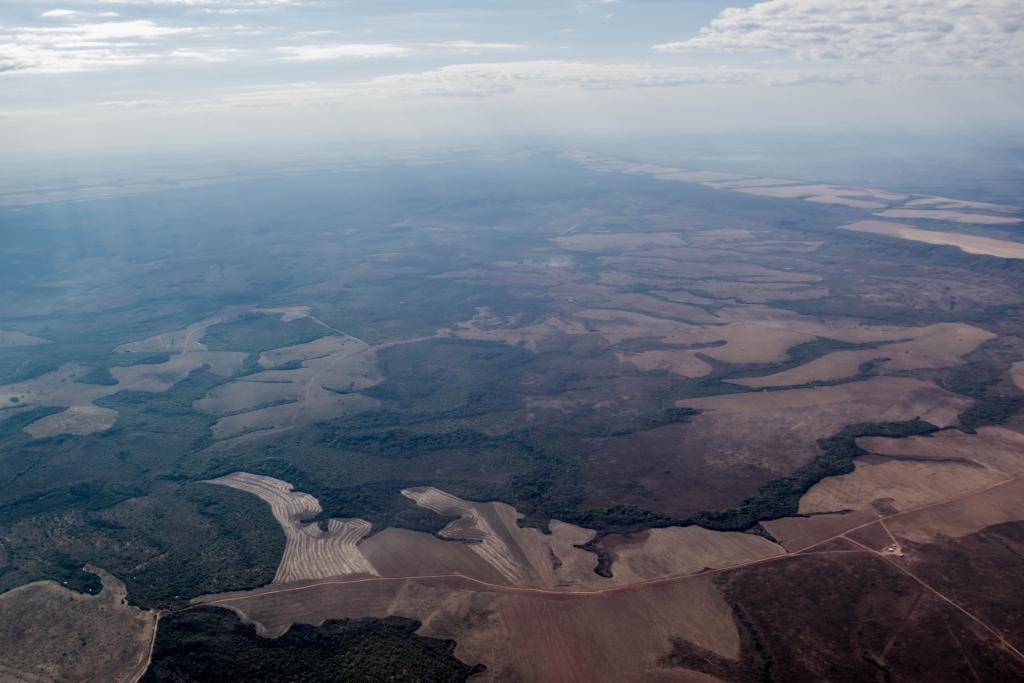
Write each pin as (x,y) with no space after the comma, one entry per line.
(801,191)
(947,203)
(10,338)
(1017,372)
(602,296)
(846,201)
(485,543)
(310,552)
(954,216)
(970,244)
(523,556)
(49,633)
(75,420)
(752,182)
(995,448)
(675,551)
(963,515)
(949,484)
(929,589)
(61,388)
(287,313)
(677,361)
(792,420)
(162,376)
(181,341)
(332,369)
(796,533)
(892,485)
(740,441)
(520,634)
(936,346)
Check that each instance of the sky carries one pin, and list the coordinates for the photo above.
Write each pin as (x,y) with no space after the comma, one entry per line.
(82,75)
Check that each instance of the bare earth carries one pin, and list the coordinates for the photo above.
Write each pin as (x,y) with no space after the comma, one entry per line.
(14,338)
(101,638)
(946,215)
(310,552)
(970,244)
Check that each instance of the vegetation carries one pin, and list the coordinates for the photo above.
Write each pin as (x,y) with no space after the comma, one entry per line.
(781,497)
(258,332)
(211,644)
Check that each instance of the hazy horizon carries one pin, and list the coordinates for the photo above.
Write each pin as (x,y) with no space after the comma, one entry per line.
(82,76)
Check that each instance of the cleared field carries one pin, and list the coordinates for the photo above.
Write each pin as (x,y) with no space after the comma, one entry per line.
(523,556)
(521,634)
(802,191)
(846,201)
(994,448)
(677,361)
(788,423)
(181,341)
(49,633)
(741,441)
(549,334)
(75,420)
(9,338)
(162,376)
(751,182)
(287,313)
(62,388)
(947,203)
(964,515)
(795,533)
(331,369)
(1017,372)
(893,485)
(962,483)
(936,346)
(946,215)
(675,551)
(310,552)
(971,244)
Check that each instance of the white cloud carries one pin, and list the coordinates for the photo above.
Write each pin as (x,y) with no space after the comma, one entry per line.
(307,53)
(60,13)
(95,34)
(950,33)
(212,55)
(83,47)
(507,77)
(474,46)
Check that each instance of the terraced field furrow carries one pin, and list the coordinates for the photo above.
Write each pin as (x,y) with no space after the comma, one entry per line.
(310,552)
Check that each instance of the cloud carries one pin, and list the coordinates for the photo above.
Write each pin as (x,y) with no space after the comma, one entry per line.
(84,46)
(474,46)
(507,77)
(957,33)
(308,53)
(60,13)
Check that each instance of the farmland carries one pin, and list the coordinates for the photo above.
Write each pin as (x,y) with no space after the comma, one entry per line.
(559,417)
